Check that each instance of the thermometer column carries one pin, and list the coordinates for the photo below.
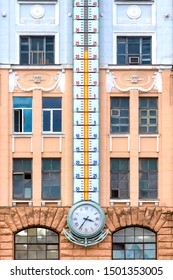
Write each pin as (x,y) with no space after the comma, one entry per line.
(86,100)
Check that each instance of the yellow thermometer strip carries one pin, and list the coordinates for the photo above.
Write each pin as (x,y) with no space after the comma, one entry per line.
(86,131)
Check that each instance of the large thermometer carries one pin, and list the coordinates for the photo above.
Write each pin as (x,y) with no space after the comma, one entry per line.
(86,100)
(86,219)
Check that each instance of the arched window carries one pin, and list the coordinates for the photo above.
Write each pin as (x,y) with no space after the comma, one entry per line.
(36,244)
(134,243)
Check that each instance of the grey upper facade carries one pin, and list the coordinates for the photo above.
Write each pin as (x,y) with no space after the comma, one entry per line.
(131,32)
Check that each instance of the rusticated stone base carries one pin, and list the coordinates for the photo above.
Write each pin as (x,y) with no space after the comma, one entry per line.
(158,219)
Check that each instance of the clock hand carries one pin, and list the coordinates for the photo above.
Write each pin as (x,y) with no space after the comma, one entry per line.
(85,219)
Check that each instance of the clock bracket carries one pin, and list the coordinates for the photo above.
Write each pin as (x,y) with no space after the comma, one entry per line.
(85,241)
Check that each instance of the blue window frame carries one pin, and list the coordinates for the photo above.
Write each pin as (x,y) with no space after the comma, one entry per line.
(22,114)
(52,114)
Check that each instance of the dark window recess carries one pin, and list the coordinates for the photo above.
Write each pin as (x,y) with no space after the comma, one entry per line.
(119,115)
(37,50)
(51,179)
(22,178)
(22,114)
(148,115)
(52,114)
(133,50)
(148,178)
(119,178)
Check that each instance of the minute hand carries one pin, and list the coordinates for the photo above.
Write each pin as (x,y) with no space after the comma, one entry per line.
(85,219)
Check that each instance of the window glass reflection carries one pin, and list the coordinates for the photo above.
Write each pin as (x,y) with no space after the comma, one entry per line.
(134,243)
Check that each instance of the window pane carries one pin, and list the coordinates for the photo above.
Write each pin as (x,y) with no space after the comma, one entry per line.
(46,121)
(52,255)
(118,255)
(37,44)
(18,120)
(55,164)
(51,102)
(24,58)
(46,164)
(56,121)
(27,120)
(22,102)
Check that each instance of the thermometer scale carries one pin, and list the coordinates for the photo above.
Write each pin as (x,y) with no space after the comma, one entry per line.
(86,100)
(86,218)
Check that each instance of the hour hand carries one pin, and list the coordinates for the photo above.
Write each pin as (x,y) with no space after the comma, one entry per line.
(86,219)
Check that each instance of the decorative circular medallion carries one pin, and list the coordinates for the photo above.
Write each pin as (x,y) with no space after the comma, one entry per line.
(134,12)
(37,11)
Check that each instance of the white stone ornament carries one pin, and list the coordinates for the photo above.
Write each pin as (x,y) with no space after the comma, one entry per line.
(37,11)
(134,11)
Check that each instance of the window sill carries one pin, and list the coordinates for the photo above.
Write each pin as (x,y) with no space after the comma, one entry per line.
(46,202)
(152,201)
(53,134)
(15,202)
(123,201)
(22,134)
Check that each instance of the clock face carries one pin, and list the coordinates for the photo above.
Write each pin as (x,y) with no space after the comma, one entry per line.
(86,219)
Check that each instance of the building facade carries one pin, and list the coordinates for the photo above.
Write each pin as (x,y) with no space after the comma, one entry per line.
(104,69)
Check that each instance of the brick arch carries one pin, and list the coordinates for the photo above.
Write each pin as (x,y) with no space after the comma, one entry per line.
(153,218)
(20,218)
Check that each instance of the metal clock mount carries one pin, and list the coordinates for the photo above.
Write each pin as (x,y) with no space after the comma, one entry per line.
(86,220)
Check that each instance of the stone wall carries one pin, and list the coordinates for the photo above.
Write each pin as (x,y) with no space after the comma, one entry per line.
(158,219)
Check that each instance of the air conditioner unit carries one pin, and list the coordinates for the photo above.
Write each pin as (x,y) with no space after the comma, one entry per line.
(133,60)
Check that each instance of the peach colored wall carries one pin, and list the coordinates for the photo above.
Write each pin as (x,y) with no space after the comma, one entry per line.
(34,145)
(133,146)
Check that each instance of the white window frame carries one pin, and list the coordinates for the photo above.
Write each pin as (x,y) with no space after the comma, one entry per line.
(51,110)
(21,118)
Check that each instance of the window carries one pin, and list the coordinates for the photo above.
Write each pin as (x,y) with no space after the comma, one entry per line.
(133,50)
(148,115)
(22,114)
(52,114)
(119,115)
(51,183)
(36,244)
(22,178)
(120,178)
(134,243)
(148,178)
(37,50)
